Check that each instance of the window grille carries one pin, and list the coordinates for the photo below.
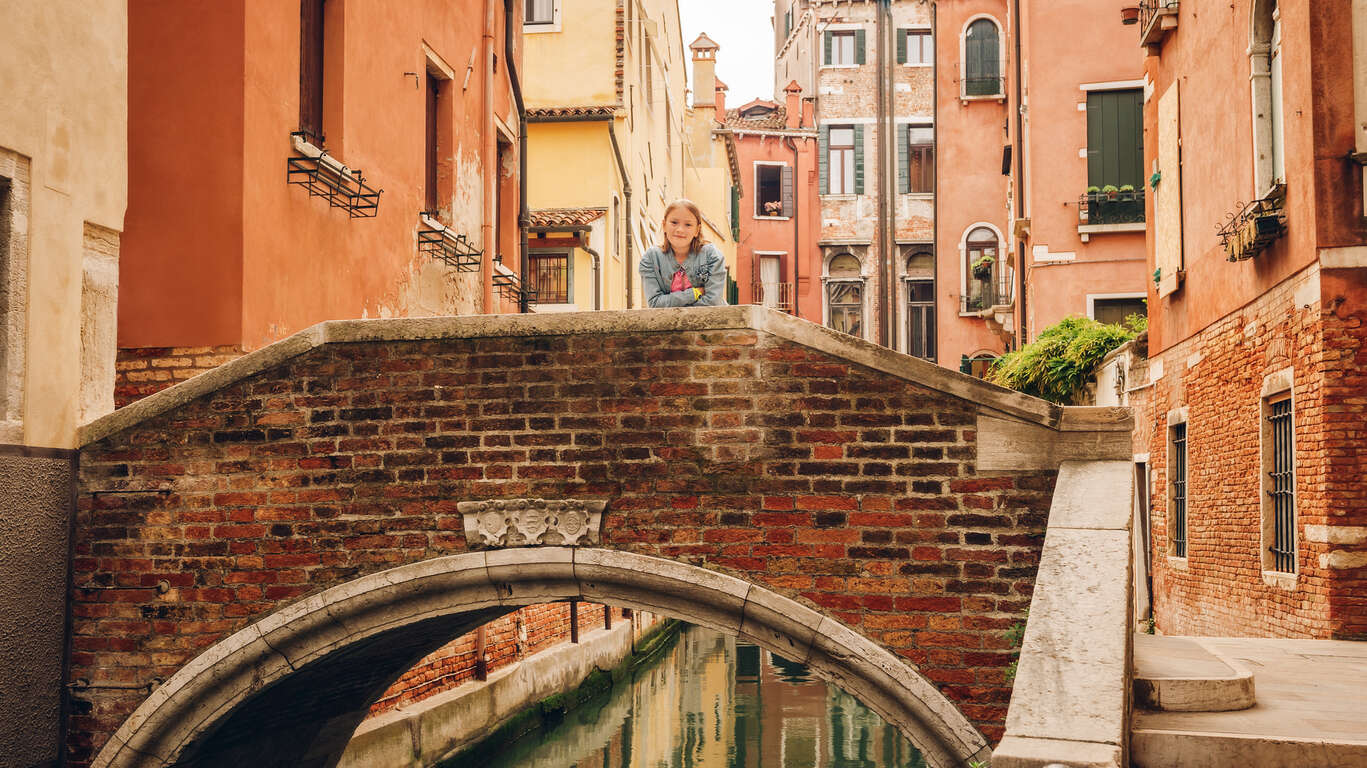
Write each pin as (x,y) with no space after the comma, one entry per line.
(1283,490)
(1177,529)
(550,277)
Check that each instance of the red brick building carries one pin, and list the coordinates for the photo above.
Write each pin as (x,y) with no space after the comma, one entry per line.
(1254,413)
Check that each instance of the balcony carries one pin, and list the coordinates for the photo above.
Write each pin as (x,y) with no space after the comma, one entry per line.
(993,300)
(1100,212)
(776,295)
(1156,19)
(1254,228)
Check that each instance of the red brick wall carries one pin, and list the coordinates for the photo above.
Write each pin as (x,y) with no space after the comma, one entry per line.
(1345,435)
(508,640)
(847,488)
(142,371)
(1222,590)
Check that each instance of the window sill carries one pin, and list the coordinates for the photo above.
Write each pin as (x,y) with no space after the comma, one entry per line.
(918,66)
(1280,580)
(841,66)
(992,97)
(773,218)
(553,308)
(1177,563)
(533,29)
(840,196)
(1102,229)
(918,195)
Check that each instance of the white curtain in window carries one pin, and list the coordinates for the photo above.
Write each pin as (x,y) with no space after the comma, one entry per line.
(769,278)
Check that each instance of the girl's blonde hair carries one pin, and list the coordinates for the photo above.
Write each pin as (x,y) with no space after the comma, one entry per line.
(691,207)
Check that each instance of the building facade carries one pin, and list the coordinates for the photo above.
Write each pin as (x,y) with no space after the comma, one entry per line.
(63,170)
(610,133)
(364,163)
(1257,344)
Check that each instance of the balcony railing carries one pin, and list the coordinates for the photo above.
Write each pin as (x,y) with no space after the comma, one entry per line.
(984,295)
(776,295)
(1118,208)
(1255,227)
(1156,19)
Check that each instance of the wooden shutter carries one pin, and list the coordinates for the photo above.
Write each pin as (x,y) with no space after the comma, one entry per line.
(1167,196)
(859,159)
(829,35)
(1115,140)
(823,157)
(859,46)
(311,69)
(433,94)
(981,65)
(787,190)
(901,46)
(903,159)
(735,212)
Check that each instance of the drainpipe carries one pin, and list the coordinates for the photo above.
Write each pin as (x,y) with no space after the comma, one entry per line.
(597,267)
(1360,91)
(626,193)
(797,219)
(490,158)
(885,336)
(1020,180)
(935,186)
(524,218)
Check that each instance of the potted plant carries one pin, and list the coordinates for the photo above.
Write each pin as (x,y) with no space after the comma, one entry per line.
(1129,15)
(982,267)
(1127,189)
(1110,190)
(1093,191)
(773,208)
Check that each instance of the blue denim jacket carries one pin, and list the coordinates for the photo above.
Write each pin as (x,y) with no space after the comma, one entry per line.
(705,268)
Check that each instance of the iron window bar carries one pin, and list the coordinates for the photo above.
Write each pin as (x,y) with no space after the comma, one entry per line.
(325,177)
(1283,491)
(1254,227)
(1119,208)
(452,248)
(509,286)
(1179,490)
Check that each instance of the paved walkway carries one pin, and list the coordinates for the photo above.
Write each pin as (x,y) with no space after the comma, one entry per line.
(1311,704)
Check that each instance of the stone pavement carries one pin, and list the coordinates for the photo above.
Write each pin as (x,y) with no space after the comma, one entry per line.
(1310,710)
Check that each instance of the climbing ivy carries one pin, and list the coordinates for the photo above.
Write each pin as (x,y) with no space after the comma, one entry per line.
(1057,364)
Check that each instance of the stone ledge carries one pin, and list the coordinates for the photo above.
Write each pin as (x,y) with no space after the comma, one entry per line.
(988,397)
(1179,674)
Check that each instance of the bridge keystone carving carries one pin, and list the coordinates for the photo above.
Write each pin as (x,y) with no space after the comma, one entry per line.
(499,523)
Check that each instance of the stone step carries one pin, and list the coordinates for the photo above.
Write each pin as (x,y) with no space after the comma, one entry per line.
(1154,748)
(1179,674)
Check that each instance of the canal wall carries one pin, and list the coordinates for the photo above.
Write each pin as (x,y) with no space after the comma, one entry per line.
(421,733)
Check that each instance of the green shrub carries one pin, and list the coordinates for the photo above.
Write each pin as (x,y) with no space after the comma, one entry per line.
(1059,362)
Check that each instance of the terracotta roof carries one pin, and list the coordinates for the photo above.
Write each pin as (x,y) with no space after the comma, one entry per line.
(775,119)
(722,86)
(550,114)
(553,218)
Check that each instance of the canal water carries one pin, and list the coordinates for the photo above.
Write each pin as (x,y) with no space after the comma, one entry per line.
(712,702)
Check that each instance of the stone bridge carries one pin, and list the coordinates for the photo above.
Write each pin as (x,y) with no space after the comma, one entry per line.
(261,550)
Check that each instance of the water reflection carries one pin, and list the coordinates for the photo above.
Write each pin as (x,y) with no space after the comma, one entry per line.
(712,701)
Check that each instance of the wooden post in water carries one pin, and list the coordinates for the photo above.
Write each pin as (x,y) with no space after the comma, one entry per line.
(574,621)
(481,663)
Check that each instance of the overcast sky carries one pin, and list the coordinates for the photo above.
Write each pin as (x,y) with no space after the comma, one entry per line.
(743,30)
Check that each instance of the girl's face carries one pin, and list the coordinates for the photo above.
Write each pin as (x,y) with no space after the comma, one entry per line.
(680,227)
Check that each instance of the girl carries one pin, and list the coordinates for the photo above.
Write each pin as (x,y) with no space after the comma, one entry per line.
(684,270)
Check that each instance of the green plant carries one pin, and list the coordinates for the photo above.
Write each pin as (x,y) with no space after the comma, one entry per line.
(1126,187)
(1094,190)
(1015,635)
(1109,189)
(1059,362)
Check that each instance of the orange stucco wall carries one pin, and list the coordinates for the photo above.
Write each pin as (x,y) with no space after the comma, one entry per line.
(769,235)
(268,260)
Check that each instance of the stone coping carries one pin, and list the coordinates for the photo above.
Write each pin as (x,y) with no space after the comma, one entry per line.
(1070,700)
(642,321)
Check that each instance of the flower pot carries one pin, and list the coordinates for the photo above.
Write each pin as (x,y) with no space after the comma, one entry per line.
(1129,15)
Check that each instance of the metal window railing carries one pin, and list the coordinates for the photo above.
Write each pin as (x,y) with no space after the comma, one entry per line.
(1283,491)
(771,294)
(1118,208)
(1177,530)
(1150,12)
(986,293)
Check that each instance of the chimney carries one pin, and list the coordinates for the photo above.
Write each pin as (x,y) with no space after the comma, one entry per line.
(721,99)
(704,71)
(808,113)
(794,104)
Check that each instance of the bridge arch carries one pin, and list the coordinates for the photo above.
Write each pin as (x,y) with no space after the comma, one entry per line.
(292,687)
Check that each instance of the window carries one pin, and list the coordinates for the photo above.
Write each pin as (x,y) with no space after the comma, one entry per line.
(845,47)
(915,46)
(1115,310)
(982,59)
(550,277)
(1265,59)
(773,190)
(921,304)
(843,159)
(978,365)
(540,12)
(1177,488)
(311,70)
(432,201)
(982,254)
(916,156)
(771,290)
(845,295)
(1278,475)
(1115,139)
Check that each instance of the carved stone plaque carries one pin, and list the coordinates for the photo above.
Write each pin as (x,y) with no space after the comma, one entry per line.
(498,523)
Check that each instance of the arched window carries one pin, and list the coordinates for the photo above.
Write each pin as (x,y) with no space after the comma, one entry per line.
(845,295)
(1265,58)
(982,265)
(982,59)
(921,304)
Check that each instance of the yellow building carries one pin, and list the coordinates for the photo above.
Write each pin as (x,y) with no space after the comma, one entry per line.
(608,128)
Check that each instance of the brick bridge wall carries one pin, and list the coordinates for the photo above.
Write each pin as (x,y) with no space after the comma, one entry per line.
(852,490)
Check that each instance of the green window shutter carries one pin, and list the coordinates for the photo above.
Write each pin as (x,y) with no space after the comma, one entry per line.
(859,159)
(901,46)
(827,60)
(735,212)
(823,160)
(859,46)
(981,64)
(903,159)
(1115,138)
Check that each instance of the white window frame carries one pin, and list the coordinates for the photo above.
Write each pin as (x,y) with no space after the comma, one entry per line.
(1264,55)
(755,173)
(904,251)
(1002,250)
(830,166)
(1176,416)
(759,256)
(1276,386)
(862,279)
(532,28)
(854,28)
(906,31)
(963,59)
